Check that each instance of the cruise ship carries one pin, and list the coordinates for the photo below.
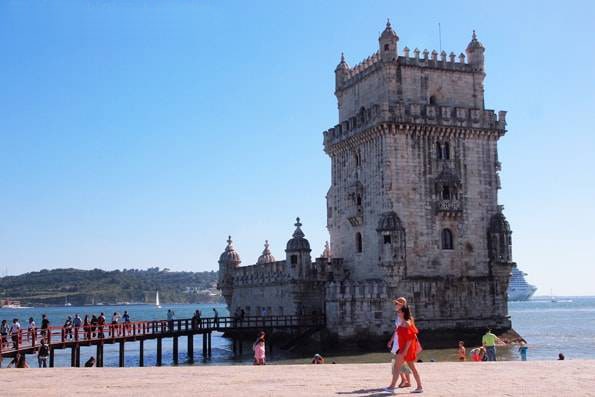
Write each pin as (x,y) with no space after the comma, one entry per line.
(518,288)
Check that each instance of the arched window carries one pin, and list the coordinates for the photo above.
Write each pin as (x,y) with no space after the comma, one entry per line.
(446,149)
(358,242)
(386,47)
(447,241)
(293,259)
(432,100)
(446,192)
(358,199)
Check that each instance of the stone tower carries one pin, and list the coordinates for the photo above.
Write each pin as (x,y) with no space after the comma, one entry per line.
(229,261)
(413,203)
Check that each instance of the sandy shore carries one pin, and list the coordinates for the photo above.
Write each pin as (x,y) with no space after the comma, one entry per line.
(538,378)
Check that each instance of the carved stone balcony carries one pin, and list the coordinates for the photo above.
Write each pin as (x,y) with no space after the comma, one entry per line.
(355,215)
(450,207)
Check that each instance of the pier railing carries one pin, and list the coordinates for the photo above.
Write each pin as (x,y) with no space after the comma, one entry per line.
(30,339)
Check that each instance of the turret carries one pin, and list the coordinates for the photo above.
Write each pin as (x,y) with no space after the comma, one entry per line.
(266,256)
(228,262)
(500,238)
(388,43)
(298,253)
(341,72)
(475,52)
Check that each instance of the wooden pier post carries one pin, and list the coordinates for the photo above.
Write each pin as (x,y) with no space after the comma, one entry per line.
(241,346)
(190,348)
(204,344)
(209,343)
(234,344)
(77,355)
(159,341)
(73,356)
(99,358)
(121,355)
(141,355)
(175,349)
(51,358)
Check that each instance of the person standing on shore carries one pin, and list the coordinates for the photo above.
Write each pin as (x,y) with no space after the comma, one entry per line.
(43,352)
(523,350)
(259,348)
(489,341)
(408,346)
(462,352)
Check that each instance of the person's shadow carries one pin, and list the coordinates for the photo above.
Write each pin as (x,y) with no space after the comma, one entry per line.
(377,392)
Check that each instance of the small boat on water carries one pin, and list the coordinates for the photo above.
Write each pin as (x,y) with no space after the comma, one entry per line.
(157,304)
(66,303)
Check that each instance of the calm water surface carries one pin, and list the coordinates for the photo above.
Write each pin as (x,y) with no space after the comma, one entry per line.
(567,326)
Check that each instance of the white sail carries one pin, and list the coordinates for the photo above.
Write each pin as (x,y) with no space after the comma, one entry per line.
(157,299)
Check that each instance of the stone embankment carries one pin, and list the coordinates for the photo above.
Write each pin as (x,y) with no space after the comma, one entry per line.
(538,378)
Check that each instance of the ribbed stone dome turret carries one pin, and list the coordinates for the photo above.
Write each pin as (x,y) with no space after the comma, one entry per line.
(474,43)
(499,224)
(388,32)
(266,256)
(230,256)
(298,242)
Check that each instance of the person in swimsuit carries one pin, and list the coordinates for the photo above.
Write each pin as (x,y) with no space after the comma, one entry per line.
(462,353)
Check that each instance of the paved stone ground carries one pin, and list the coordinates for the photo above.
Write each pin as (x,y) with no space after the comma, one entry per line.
(538,378)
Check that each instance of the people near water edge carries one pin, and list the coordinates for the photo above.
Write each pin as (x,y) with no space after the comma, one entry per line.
(259,348)
(461,352)
(489,341)
(523,350)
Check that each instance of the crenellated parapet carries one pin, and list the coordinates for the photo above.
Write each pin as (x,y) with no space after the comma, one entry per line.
(416,114)
(260,274)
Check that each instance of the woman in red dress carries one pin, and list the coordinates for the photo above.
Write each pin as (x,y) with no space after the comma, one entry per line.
(408,345)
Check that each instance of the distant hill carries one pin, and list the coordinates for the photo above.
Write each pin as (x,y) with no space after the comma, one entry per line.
(79,287)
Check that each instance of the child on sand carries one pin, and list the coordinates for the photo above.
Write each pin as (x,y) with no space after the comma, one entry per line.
(523,350)
(259,348)
(462,352)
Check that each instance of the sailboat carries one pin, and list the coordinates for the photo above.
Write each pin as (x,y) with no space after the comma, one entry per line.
(157,304)
(66,303)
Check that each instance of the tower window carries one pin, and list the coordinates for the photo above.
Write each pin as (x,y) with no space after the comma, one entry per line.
(432,100)
(443,151)
(438,150)
(447,241)
(446,149)
(358,160)
(293,259)
(358,199)
(446,193)
(386,47)
(387,239)
(358,242)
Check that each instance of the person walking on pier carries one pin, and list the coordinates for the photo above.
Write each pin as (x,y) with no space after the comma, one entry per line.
(31,329)
(77,322)
(67,329)
(259,348)
(170,320)
(15,333)
(4,330)
(100,325)
(93,325)
(215,318)
(87,327)
(43,352)
(45,325)
(115,327)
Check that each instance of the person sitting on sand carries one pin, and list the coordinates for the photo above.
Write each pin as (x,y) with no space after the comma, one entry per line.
(18,361)
(259,348)
(561,357)
(90,362)
(461,351)
(318,359)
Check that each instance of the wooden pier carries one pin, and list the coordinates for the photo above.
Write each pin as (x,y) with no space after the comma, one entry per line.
(74,337)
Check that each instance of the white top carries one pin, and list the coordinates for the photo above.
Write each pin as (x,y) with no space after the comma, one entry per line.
(15,328)
(396,337)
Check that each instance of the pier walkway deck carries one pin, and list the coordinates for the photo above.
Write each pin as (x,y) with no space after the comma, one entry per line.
(28,342)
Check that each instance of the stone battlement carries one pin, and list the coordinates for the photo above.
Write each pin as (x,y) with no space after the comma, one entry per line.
(260,274)
(425,59)
(420,114)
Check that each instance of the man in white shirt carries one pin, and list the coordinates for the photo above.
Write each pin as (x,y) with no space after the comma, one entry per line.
(15,332)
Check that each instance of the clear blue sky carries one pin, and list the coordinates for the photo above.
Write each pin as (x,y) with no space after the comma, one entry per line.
(142,133)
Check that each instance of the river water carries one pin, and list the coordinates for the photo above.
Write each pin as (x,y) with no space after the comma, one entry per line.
(567,326)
